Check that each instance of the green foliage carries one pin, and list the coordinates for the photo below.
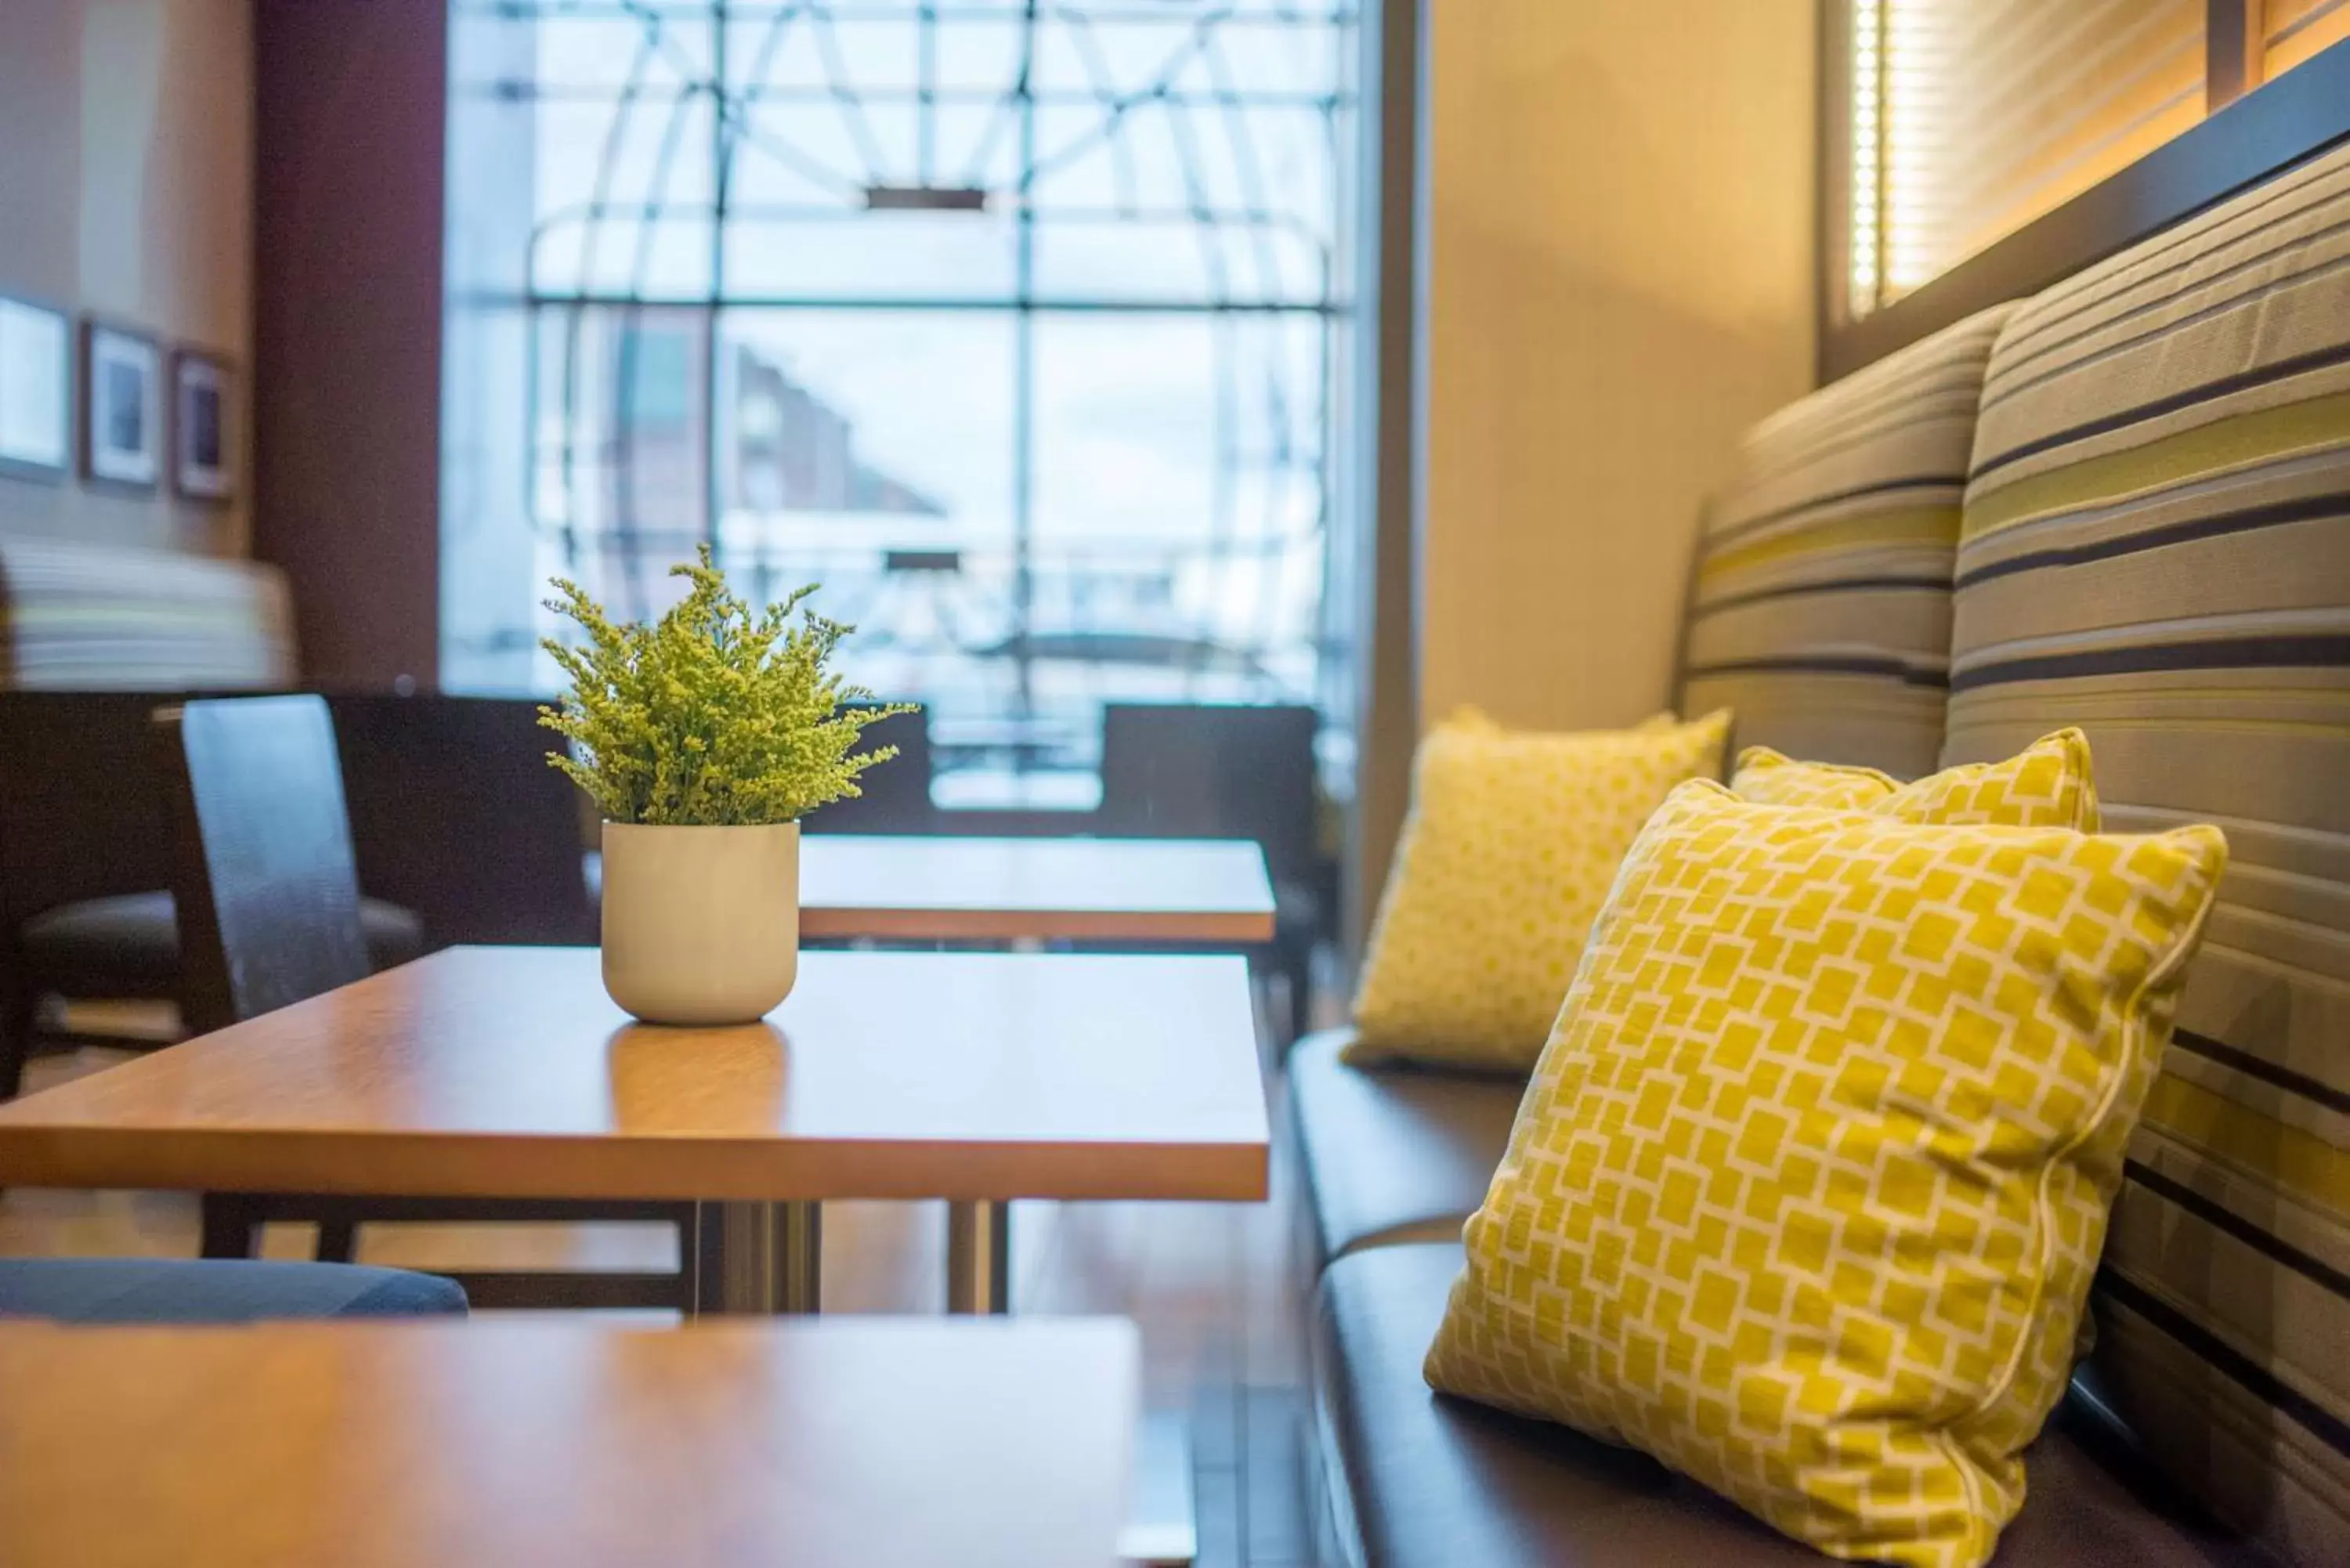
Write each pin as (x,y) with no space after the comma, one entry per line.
(709,716)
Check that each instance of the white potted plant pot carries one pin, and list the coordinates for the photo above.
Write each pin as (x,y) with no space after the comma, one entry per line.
(701,925)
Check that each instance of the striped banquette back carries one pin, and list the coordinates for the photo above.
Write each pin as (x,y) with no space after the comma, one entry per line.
(95,617)
(1820,610)
(2156,548)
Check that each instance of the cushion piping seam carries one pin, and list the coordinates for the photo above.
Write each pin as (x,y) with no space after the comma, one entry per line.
(2043,1233)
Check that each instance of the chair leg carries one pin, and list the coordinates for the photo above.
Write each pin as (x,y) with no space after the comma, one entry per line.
(20,1014)
(701,1256)
(339,1238)
(232,1226)
(1297,969)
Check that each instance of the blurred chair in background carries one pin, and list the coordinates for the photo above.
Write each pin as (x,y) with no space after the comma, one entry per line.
(460,831)
(455,814)
(183,1290)
(267,886)
(1222,770)
(85,910)
(897,797)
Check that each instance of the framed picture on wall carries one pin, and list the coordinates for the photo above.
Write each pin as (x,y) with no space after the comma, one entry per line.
(36,390)
(122,407)
(203,444)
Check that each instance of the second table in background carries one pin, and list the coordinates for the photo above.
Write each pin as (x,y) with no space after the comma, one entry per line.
(1203,892)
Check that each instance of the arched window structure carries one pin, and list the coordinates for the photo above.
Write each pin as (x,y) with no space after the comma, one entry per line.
(1018,324)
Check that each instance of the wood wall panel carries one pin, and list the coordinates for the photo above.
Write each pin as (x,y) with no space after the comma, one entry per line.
(349,134)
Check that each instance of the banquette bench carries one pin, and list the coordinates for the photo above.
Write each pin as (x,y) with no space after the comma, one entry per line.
(2124,505)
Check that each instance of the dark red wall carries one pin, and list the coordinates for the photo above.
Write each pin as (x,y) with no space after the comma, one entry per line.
(348,130)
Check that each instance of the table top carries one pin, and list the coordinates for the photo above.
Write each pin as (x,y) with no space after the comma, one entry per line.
(1067,792)
(892,1444)
(1003,889)
(506,1073)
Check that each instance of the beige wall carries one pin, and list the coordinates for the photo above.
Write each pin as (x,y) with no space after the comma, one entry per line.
(126,190)
(1620,279)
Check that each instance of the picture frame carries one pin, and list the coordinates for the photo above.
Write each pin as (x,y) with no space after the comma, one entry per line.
(204,426)
(122,408)
(37,417)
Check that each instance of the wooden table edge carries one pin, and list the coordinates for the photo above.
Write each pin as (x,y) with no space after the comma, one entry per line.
(754,1169)
(1237,927)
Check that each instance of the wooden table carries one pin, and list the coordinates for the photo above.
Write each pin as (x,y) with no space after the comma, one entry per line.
(506,1072)
(977,1078)
(1208,892)
(886,1444)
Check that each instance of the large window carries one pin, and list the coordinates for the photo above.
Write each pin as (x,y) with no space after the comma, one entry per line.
(1013,323)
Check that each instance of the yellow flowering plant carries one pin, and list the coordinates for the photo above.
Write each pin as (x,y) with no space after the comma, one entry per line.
(710,717)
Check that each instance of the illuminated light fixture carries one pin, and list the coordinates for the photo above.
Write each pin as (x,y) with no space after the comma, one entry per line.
(1908,114)
(924,199)
(1867,183)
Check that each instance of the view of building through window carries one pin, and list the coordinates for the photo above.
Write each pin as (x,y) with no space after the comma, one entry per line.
(1018,326)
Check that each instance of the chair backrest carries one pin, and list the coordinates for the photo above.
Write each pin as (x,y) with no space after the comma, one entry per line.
(2156,548)
(1213,770)
(455,814)
(1819,609)
(897,797)
(268,891)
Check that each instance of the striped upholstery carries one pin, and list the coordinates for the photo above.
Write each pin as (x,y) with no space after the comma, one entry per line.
(1819,613)
(93,618)
(2156,548)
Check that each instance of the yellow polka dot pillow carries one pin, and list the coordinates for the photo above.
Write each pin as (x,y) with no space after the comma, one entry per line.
(1513,840)
(1806,1192)
(2049,783)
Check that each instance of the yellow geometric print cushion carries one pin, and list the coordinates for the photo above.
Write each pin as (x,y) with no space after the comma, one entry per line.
(2049,783)
(1469,716)
(1806,1192)
(1513,840)
(1773,778)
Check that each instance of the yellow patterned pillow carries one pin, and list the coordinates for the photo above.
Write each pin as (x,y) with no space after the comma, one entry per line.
(1806,1192)
(1513,840)
(1469,716)
(2049,783)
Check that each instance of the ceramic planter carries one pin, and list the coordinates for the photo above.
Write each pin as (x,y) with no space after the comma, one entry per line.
(701,925)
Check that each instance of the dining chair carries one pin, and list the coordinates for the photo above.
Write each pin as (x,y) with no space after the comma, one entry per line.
(456,814)
(895,796)
(86,909)
(1229,770)
(216,1290)
(268,894)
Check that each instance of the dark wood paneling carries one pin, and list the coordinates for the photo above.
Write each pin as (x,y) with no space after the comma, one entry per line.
(350,112)
(2300,114)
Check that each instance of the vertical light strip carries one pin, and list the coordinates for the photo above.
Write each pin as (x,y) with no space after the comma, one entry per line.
(1867,154)
(1912,105)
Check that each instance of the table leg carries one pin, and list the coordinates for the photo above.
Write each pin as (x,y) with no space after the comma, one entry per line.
(1162,1524)
(232,1226)
(772,1259)
(1163,1529)
(979,1258)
